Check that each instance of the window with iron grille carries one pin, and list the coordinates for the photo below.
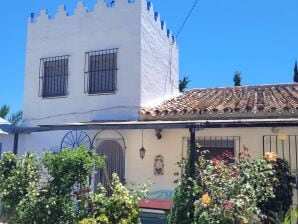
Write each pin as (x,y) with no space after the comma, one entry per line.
(53,78)
(101,71)
(286,147)
(223,147)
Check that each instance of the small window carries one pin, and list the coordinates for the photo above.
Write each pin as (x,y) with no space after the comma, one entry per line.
(219,147)
(53,77)
(101,71)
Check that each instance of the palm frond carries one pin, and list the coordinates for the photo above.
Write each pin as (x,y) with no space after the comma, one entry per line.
(183,84)
(16,117)
(4,111)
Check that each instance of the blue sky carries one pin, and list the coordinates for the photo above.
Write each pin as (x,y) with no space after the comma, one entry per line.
(258,38)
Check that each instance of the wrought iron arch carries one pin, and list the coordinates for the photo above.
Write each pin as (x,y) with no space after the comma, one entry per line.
(98,133)
(76,138)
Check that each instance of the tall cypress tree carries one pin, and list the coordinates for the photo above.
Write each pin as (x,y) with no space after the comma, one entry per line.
(237,78)
(296,72)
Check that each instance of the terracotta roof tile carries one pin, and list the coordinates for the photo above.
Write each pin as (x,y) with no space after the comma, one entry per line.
(232,102)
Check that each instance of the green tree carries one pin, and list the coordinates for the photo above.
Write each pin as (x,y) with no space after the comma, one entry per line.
(183,84)
(237,78)
(296,72)
(14,118)
(4,111)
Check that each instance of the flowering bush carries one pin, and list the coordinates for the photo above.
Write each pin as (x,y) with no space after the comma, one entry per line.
(283,191)
(55,189)
(232,191)
(223,192)
(121,208)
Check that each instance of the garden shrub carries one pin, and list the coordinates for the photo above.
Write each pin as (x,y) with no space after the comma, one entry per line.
(283,190)
(55,189)
(44,190)
(225,193)
(18,176)
(121,208)
(185,195)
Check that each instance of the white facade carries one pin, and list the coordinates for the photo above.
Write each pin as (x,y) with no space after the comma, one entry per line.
(6,140)
(6,143)
(172,146)
(148,70)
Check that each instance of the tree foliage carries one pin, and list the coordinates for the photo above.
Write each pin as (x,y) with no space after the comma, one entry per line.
(237,78)
(14,118)
(296,72)
(4,111)
(183,84)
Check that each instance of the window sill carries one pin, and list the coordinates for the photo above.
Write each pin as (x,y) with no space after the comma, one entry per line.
(99,94)
(53,97)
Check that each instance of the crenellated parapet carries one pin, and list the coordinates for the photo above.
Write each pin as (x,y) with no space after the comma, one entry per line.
(101,8)
(161,23)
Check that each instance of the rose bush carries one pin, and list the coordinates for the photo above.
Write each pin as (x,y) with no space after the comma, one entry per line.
(232,191)
(224,192)
(283,191)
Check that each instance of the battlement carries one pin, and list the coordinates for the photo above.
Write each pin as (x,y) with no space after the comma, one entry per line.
(101,8)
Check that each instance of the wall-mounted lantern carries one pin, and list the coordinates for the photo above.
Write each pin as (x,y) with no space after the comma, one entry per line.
(142,149)
(142,152)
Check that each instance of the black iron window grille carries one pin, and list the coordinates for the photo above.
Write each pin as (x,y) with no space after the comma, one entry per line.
(285,147)
(101,71)
(218,147)
(53,77)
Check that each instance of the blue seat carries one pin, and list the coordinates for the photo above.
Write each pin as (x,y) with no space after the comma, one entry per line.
(162,194)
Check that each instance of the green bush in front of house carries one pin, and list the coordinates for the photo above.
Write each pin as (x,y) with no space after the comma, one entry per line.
(18,178)
(55,189)
(283,192)
(185,196)
(224,193)
(121,208)
(41,190)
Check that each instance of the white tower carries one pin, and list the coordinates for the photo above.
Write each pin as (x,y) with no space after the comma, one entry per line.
(99,65)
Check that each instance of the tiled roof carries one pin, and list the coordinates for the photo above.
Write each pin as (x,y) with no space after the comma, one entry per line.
(265,101)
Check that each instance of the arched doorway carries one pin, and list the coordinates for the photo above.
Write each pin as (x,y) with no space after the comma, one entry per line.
(115,163)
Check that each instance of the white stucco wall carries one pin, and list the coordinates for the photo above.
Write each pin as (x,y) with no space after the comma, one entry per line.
(159,58)
(104,28)
(7,142)
(144,71)
(172,146)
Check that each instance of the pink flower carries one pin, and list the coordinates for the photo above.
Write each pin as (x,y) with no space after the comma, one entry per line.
(228,204)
